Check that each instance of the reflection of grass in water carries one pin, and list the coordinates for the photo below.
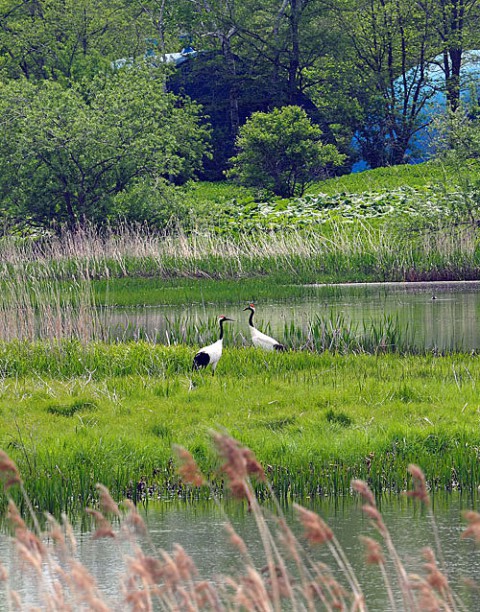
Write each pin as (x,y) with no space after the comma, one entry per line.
(286,573)
(32,309)
(49,310)
(77,415)
(322,333)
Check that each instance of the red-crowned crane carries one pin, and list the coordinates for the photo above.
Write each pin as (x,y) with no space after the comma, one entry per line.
(210,355)
(260,339)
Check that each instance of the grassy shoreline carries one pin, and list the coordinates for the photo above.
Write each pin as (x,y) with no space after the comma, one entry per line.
(130,270)
(110,413)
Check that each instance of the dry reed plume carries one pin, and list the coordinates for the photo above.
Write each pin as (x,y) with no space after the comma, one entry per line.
(292,578)
(88,252)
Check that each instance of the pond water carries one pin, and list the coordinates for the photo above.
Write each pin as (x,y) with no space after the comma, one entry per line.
(199,528)
(443,316)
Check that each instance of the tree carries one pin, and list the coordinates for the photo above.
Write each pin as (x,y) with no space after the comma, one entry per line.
(282,151)
(392,42)
(67,39)
(456,23)
(68,154)
(456,143)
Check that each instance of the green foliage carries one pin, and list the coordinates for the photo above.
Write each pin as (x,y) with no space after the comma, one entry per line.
(68,39)
(457,149)
(97,151)
(457,135)
(282,151)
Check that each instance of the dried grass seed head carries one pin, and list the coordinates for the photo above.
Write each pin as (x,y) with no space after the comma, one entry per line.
(240,463)
(107,504)
(420,491)
(188,469)
(316,530)
(373,551)
(435,578)
(361,487)
(473,529)
(8,471)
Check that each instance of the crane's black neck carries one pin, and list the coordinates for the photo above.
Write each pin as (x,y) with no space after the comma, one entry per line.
(250,320)
(222,321)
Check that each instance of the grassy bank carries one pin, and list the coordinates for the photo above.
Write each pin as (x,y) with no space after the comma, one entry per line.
(346,253)
(404,223)
(74,416)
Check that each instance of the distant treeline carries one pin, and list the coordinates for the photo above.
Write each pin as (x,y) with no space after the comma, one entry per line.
(79,154)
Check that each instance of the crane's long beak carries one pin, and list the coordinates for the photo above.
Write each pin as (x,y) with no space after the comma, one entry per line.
(228,319)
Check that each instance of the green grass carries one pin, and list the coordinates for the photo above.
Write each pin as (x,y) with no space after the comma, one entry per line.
(156,292)
(417,176)
(74,416)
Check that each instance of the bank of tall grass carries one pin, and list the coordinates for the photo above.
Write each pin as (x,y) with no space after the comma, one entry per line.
(75,415)
(380,225)
(346,252)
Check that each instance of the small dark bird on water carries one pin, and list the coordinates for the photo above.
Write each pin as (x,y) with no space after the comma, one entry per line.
(260,339)
(210,355)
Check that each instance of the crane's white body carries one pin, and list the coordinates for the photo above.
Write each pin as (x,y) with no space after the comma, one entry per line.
(210,355)
(259,339)
(214,351)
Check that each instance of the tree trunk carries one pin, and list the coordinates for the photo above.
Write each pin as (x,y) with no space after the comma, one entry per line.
(233,89)
(294,63)
(453,79)
(71,217)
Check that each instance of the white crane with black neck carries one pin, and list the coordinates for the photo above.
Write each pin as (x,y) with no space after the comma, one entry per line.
(259,338)
(210,355)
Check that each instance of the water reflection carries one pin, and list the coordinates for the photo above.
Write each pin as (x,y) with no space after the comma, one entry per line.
(443,316)
(199,529)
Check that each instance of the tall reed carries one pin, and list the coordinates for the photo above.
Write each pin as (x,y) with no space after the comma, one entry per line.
(44,309)
(289,576)
(344,252)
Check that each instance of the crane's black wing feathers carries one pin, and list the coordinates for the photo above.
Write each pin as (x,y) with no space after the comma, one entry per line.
(279,347)
(201,360)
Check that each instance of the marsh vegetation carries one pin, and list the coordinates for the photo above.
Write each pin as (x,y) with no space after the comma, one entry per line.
(287,571)
(75,414)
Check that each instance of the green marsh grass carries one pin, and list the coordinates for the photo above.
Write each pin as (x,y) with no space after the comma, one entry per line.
(414,176)
(77,415)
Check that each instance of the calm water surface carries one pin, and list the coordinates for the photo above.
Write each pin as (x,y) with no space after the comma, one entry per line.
(445,316)
(199,529)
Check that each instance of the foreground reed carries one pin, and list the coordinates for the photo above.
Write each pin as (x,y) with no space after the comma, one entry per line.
(291,577)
